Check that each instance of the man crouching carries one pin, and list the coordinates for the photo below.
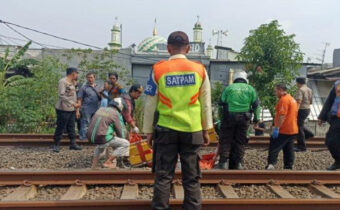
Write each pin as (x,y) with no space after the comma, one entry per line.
(107,130)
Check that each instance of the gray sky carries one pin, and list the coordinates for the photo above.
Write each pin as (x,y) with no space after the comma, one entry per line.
(313,21)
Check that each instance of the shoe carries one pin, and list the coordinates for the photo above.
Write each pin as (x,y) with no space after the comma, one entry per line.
(334,166)
(239,167)
(56,148)
(270,167)
(75,147)
(222,165)
(299,150)
(123,162)
(126,162)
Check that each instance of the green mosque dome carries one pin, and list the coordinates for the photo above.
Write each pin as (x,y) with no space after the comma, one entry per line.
(150,44)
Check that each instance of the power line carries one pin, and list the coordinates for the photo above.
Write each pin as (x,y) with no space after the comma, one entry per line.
(24,40)
(51,35)
(23,35)
(9,37)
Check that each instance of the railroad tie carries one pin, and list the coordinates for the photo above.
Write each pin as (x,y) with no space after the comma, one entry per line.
(178,190)
(322,189)
(22,193)
(74,192)
(279,191)
(130,191)
(227,191)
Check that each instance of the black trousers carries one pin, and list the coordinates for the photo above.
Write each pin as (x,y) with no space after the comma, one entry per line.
(333,138)
(285,143)
(233,139)
(304,133)
(65,121)
(168,146)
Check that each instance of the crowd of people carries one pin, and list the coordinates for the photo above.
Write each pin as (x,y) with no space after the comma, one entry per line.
(178,115)
(102,114)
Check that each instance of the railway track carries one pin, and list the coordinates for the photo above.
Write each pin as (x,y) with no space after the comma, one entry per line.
(47,139)
(24,186)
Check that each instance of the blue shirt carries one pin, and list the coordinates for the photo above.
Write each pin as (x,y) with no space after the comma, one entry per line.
(336,106)
(105,101)
(89,98)
(336,103)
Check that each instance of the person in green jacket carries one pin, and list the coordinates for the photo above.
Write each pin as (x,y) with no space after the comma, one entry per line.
(238,101)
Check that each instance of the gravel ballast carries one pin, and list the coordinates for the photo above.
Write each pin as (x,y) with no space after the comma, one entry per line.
(50,192)
(6,190)
(23,157)
(103,192)
(253,191)
(301,192)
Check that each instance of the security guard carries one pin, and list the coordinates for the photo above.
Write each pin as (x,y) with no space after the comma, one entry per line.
(331,113)
(180,89)
(238,101)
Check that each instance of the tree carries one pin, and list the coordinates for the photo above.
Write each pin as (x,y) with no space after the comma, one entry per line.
(7,63)
(216,92)
(271,56)
(101,63)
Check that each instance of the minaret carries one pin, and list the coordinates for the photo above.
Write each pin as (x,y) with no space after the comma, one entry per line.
(154,31)
(115,43)
(210,50)
(198,31)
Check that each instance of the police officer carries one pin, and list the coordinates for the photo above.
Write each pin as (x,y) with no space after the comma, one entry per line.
(331,113)
(238,101)
(180,91)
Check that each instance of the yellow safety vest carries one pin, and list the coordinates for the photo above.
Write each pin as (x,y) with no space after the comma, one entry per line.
(179,82)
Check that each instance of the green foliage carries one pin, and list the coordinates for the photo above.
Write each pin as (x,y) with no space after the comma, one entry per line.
(27,105)
(100,63)
(139,112)
(216,92)
(271,56)
(8,63)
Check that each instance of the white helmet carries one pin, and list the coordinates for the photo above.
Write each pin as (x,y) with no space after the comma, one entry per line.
(118,103)
(241,75)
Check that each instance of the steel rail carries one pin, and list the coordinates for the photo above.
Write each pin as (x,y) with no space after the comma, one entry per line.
(218,204)
(49,177)
(88,177)
(47,139)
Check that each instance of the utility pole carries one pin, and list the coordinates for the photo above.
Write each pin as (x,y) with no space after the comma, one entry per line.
(322,59)
(220,34)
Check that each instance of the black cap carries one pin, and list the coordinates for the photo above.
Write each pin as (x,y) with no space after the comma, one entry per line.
(178,38)
(301,80)
(70,70)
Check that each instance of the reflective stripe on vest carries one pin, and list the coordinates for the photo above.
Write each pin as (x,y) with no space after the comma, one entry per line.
(179,82)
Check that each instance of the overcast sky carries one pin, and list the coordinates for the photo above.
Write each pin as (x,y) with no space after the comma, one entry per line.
(313,21)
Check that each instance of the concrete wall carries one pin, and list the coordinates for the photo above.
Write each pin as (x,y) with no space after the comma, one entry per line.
(336,58)
(219,71)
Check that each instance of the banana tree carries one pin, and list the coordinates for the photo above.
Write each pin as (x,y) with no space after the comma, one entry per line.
(7,63)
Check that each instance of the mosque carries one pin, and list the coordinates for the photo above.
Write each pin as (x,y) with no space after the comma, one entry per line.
(156,44)
(153,49)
